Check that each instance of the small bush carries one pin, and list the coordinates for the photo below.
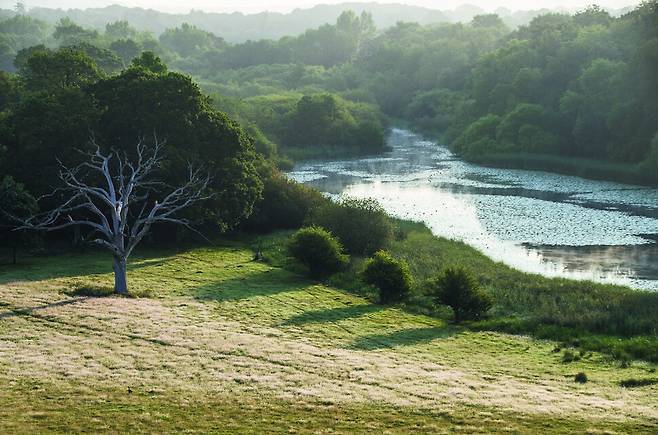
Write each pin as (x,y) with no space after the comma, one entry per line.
(569,356)
(362,225)
(581,378)
(92,291)
(285,204)
(318,250)
(390,276)
(635,383)
(457,289)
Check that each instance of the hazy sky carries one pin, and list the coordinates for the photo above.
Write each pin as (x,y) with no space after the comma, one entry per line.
(251,6)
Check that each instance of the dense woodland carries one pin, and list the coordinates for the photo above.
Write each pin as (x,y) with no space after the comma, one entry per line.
(578,86)
(567,86)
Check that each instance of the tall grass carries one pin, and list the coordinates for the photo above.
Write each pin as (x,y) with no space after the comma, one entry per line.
(586,168)
(613,319)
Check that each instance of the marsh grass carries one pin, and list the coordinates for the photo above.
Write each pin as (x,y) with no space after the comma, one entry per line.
(612,319)
(585,168)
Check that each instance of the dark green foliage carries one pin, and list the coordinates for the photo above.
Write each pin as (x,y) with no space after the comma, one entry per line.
(326,121)
(569,356)
(581,378)
(150,62)
(68,32)
(47,70)
(126,49)
(638,383)
(16,204)
(390,276)
(309,126)
(285,204)
(458,289)
(318,250)
(66,98)
(172,105)
(188,40)
(361,224)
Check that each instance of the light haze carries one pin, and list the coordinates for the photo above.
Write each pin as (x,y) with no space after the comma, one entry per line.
(254,6)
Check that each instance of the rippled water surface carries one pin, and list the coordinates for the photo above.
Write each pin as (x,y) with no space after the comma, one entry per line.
(538,222)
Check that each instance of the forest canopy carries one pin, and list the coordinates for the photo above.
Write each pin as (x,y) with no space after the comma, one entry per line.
(570,86)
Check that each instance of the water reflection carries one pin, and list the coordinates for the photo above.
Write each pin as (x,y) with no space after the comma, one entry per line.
(538,222)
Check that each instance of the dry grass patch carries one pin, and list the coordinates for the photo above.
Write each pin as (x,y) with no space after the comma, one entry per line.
(221,327)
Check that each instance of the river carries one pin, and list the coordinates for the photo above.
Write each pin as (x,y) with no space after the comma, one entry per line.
(539,222)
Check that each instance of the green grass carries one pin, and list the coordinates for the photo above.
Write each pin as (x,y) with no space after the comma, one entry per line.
(616,320)
(224,343)
(585,168)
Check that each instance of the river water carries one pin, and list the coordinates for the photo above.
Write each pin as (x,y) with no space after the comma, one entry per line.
(540,222)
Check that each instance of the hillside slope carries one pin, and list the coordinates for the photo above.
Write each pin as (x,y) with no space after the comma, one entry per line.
(225,343)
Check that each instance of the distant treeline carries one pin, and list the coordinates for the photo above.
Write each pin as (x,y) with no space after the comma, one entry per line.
(238,27)
(580,86)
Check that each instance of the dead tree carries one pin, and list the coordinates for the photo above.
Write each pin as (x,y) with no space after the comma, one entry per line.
(121,208)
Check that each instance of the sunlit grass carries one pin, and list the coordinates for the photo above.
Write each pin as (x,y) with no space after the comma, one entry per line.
(225,343)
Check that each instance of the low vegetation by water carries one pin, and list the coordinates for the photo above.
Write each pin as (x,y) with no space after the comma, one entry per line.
(615,320)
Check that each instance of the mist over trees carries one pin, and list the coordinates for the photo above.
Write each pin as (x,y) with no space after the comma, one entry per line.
(238,27)
(562,86)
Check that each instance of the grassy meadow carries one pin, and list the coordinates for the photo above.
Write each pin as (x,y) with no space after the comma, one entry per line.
(214,341)
(612,319)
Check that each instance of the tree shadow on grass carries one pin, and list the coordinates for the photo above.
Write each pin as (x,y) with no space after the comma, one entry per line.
(333,314)
(71,265)
(251,284)
(405,337)
(30,310)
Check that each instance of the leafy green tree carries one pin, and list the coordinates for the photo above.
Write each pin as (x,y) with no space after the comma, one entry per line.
(188,40)
(149,62)
(42,128)
(139,101)
(362,225)
(593,15)
(285,204)
(120,30)
(46,70)
(459,290)
(126,49)
(508,131)
(16,204)
(106,60)
(318,250)
(479,137)
(391,277)
(69,33)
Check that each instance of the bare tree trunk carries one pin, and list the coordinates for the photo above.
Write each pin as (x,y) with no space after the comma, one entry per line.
(120,281)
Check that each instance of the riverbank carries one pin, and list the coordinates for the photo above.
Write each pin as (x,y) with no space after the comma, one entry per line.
(583,315)
(584,168)
(225,343)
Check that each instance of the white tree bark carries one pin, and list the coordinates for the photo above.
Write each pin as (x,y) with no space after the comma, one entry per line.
(120,210)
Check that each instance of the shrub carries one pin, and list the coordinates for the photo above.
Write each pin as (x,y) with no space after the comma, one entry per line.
(569,356)
(635,383)
(318,250)
(390,276)
(92,291)
(362,225)
(286,204)
(457,289)
(581,378)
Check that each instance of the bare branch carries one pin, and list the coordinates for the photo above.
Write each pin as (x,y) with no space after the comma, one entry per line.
(106,209)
